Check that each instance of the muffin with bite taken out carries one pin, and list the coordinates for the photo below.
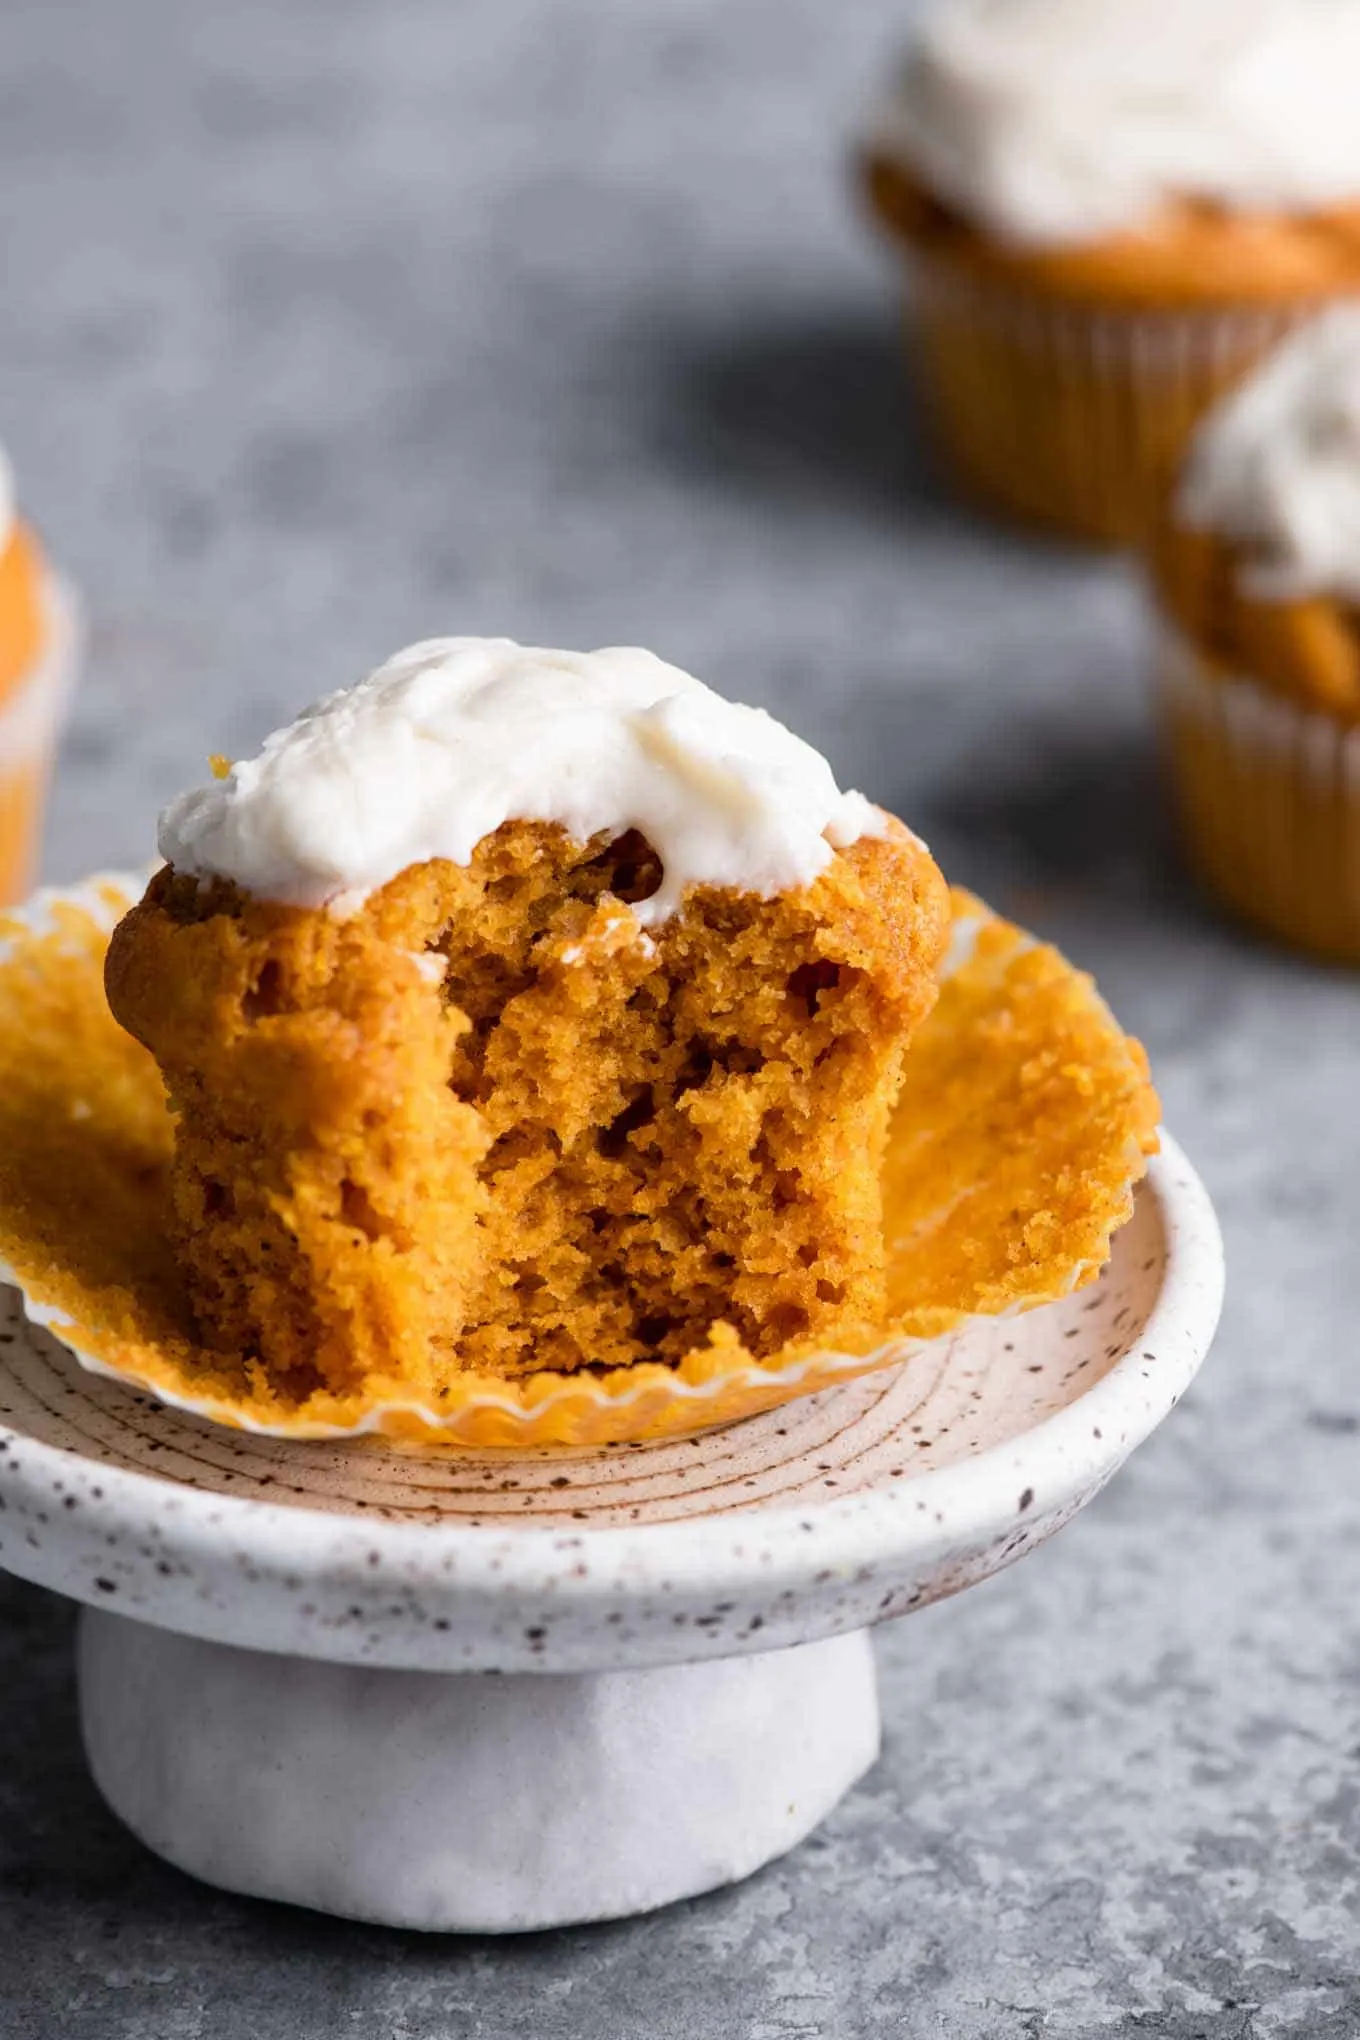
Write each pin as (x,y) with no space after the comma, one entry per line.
(527,1010)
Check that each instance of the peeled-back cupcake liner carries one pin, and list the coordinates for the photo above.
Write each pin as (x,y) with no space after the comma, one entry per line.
(1267,792)
(1025,1123)
(1066,413)
(30,723)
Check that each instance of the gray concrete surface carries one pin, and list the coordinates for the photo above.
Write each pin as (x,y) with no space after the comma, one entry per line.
(327,324)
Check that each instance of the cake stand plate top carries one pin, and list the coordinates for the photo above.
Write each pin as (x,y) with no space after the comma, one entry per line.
(843,1509)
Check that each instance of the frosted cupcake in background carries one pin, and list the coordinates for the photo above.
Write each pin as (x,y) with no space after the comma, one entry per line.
(1256,569)
(37,659)
(1112,209)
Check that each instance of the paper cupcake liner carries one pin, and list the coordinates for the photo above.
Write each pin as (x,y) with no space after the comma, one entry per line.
(1073,415)
(1026,1121)
(1268,798)
(30,722)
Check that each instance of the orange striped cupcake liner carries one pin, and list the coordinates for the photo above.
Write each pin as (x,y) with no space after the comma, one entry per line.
(1025,1121)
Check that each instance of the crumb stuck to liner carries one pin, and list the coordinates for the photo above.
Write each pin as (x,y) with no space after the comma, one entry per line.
(1025,1122)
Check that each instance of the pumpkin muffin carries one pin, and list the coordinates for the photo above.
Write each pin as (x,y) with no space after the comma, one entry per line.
(528,1010)
(1255,566)
(1109,219)
(35,661)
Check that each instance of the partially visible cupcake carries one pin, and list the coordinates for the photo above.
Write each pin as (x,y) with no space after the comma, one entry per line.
(36,660)
(1112,211)
(1256,569)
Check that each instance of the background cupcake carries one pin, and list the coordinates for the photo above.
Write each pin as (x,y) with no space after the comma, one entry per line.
(1112,210)
(36,659)
(1256,568)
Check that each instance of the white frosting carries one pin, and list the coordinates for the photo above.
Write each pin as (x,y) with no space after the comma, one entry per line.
(1058,121)
(451,738)
(1276,466)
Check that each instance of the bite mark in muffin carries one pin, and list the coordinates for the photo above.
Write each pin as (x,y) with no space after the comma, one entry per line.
(485,1120)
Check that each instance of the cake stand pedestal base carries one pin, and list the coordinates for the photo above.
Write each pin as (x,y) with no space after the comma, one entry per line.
(470,1802)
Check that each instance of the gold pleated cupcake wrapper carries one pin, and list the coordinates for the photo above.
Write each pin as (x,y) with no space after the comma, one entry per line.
(30,721)
(1026,1119)
(1268,796)
(1068,414)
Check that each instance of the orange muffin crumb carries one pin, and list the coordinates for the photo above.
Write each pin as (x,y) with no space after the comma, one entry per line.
(486,1123)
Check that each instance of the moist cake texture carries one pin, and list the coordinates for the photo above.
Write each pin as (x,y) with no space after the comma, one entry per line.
(491,1118)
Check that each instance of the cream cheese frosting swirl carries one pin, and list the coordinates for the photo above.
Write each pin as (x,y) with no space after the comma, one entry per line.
(455,736)
(1056,122)
(1276,466)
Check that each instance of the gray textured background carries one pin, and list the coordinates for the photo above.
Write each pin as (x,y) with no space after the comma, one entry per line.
(332,323)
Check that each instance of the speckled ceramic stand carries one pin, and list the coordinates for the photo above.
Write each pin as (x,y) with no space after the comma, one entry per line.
(285,1653)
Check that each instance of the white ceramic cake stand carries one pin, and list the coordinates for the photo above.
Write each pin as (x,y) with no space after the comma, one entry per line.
(285,1648)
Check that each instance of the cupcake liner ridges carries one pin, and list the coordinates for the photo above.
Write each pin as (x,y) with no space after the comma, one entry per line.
(1268,795)
(1026,1120)
(1070,414)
